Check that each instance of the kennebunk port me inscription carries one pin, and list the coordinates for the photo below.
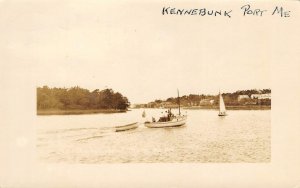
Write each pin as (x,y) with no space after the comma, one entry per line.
(246,10)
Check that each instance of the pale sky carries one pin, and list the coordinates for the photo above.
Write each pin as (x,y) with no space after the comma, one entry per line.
(134,49)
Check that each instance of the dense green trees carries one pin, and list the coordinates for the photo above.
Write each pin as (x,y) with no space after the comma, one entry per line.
(79,98)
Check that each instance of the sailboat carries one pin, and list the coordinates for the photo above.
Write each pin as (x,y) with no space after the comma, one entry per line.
(222,109)
(144,114)
(168,120)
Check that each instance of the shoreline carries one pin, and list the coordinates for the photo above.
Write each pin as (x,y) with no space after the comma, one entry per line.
(77,112)
(250,107)
(110,111)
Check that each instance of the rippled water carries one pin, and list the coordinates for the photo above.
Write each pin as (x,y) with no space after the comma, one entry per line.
(242,136)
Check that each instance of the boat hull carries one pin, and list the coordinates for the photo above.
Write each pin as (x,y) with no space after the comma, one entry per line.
(127,127)
(174,123)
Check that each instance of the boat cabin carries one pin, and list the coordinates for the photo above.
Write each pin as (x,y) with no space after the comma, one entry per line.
(168,117)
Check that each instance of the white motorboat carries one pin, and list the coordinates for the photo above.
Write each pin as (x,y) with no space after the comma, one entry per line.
(176,121)
(168,120)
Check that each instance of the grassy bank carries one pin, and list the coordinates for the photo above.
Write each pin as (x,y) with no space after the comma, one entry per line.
(248,107)
(74,112)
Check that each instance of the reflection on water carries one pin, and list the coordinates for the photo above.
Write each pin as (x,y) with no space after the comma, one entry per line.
(243,136)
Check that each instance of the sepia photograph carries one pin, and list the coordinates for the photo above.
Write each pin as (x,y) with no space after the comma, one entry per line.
(79,126)
(166,91)
(174,94)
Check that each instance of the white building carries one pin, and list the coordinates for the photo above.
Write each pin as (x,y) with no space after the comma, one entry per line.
(240,97)
(261,96)
(205,102)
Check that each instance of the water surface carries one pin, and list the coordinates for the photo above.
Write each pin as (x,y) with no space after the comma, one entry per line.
(242,136)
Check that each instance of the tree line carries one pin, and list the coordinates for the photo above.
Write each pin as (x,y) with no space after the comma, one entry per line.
(79,98)
(229,98)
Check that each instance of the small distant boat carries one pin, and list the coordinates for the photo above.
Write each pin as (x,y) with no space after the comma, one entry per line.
(144,114)
(222,109)
(127,127)
(168,120)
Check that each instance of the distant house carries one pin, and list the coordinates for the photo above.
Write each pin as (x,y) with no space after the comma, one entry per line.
(261,96)
(240,97)
(205,102)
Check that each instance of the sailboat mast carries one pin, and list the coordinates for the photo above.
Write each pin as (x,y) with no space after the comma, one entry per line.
(220,101)
(178,101)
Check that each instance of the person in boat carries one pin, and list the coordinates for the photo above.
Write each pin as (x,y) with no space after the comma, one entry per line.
(163,118)
(166,117)
(170,115)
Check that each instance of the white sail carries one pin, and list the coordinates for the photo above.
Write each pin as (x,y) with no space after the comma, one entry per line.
(222,109)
